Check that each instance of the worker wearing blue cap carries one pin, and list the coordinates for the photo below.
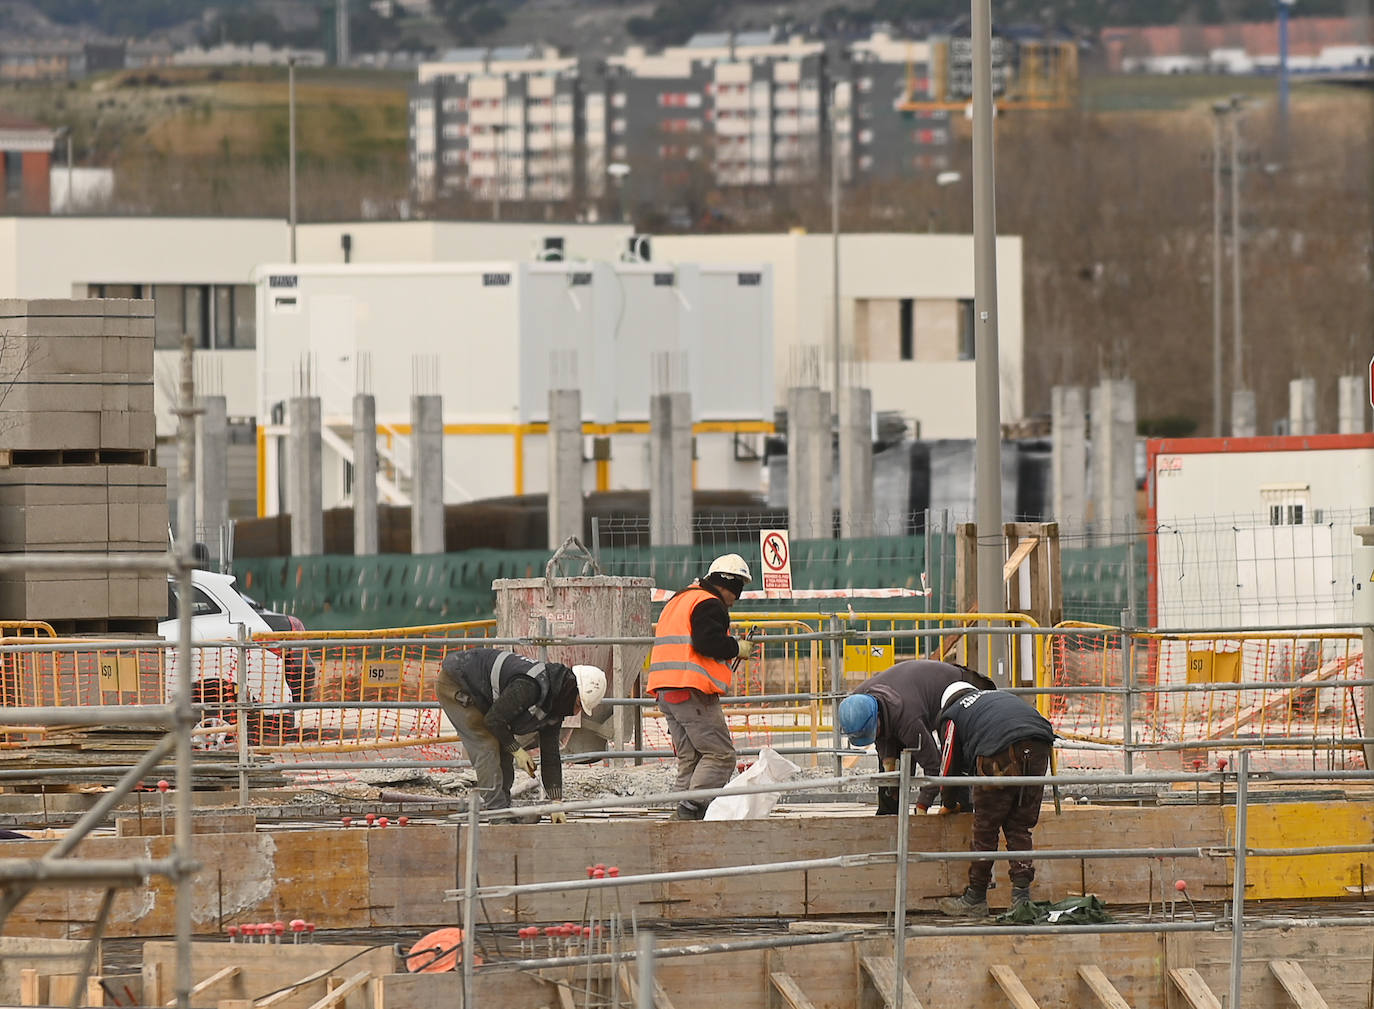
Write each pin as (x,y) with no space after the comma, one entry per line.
(897,710)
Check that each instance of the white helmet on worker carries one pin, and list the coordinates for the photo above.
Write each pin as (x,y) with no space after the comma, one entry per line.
(591,686)
(955,690)
(729,571)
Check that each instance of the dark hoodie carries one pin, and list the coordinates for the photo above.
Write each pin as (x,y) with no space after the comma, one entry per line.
(908,696)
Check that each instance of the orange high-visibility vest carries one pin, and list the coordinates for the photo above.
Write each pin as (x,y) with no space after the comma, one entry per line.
(674,663)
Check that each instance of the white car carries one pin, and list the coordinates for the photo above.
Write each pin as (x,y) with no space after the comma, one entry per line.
(217,613)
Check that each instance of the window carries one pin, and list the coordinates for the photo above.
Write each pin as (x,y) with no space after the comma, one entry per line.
(167,316)
(14,174)
(907,329)
(1289,504)
(201,604)
(967,333)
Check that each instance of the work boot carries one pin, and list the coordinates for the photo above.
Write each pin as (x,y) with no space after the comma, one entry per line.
(687,809)
(969,904)
(1020,894)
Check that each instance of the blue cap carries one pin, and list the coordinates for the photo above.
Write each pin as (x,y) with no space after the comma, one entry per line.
(859,719)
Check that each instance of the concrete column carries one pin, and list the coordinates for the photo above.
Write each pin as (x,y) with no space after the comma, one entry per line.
(426,474)
(565,465)
(1302,406)
(1113,448)
(856,462)
(1352,403)
(809,494)
(1243,422)
(670,469)
(212,471)
(365,538)
(1069,456)
(304,478)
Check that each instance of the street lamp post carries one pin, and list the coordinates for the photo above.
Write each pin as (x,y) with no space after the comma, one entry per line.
(835,246)
(1219,111)
(1237,378)
(291,149)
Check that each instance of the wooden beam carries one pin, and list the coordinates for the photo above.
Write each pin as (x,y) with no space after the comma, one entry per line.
(1018,557)
(1101,987)
(1191,986)
(224,974)
(30,987)
(786,986)
(340,993)
(1248,714)
(1297,984)
(1012,987)
(881,971)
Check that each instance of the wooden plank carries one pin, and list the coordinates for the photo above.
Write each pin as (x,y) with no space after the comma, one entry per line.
(786,986)
(95,992)
(30,987)
(1190,984)
(1012,987)
(1100,986)
(1248,714)
(1018,557)
(223,974)
(881,971)
(630,987)
(340,993)
(1297,984)
(62,988)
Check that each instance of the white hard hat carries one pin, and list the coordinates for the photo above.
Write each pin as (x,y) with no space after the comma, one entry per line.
(591,686)
(954,690)
(732,565)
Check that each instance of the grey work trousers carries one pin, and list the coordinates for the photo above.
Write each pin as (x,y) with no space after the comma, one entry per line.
(701,740)
(494,766)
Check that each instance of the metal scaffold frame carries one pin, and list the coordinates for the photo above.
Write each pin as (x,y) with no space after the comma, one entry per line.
(20,876)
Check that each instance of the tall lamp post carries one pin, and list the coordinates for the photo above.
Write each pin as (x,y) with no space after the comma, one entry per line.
(1284,6)
(835,245)
(291,151)
(987,377)
(1219,112)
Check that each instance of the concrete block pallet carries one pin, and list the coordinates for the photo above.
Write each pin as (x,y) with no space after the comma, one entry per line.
(77,439)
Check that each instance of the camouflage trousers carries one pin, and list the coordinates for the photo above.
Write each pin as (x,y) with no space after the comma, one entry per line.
(1009,811)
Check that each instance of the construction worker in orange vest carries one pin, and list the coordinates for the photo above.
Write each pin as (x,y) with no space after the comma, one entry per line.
(689,670)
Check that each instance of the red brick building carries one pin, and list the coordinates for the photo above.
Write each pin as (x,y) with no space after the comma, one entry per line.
(25,165)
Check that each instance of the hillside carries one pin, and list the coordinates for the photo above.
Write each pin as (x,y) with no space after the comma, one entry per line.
(590,27)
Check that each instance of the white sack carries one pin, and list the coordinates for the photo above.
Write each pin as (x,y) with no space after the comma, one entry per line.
(770,768)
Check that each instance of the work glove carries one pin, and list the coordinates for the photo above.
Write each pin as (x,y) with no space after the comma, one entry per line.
(889,764)
(523,760)
(558,817)
(954,807)
(746,648)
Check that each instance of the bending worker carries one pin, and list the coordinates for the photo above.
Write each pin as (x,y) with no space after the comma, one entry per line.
(491,697)
(689,671)
(897,710)
(995,734)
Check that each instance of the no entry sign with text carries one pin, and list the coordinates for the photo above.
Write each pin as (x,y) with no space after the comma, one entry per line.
(777,562)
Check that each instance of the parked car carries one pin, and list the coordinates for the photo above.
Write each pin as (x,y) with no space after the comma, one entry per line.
(217,613)
(300,667)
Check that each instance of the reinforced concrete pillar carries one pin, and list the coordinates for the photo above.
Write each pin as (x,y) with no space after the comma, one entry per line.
(212,471)
(304,478)
(856,462)
(1243,417)
(1069,456)
(1113,427)
(809,495)
(365,537)
(670,469)
(1302,406)
(1352,405)
(565,465)
(426,474)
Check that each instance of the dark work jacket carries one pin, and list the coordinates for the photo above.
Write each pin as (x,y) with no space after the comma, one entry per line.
(711,627)
(983,722)
(532,697)
(908,696)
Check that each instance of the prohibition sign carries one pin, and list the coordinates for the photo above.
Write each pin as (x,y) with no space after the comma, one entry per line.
(774,553)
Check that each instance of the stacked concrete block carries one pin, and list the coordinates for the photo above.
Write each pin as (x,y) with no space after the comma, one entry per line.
(76,436)
(76,374)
